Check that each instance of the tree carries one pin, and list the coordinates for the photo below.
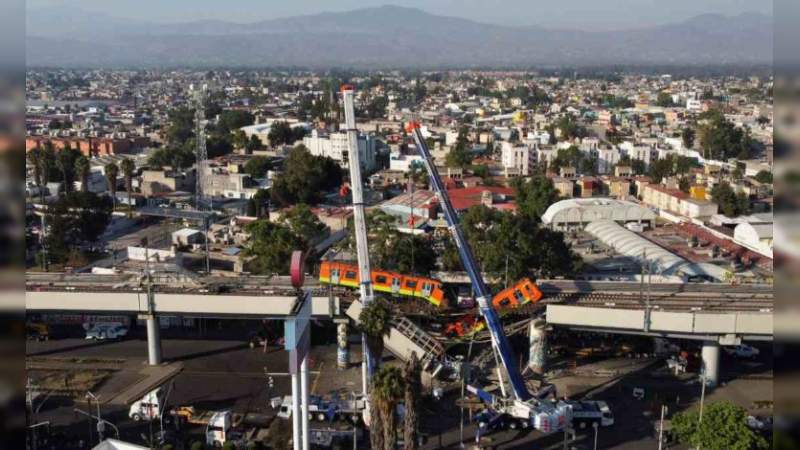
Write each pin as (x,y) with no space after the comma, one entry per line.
(664,100)
(253,144)
(240,140)
(258,166)
(413,387)
(687,136)
(112,171)
(270,247)
(730,203)
(724,427)
(75,218)
(178,158)
(764,176)
(721,139)
(127,166)
(660,169)
(66,164)
(684,185)
(638,167)
(375,322)
(304,224)
(305,178)
(281,133)
(36,159)
(82,168)
(388,387)
(535,195)
(460,155)
(233,119)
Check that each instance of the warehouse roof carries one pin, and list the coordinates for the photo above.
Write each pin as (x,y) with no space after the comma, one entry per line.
(591,209)
(663,261)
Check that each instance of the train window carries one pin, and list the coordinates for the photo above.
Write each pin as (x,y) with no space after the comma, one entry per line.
(381,279)
(505,302)
(411,284)
(519,296)
(350,274)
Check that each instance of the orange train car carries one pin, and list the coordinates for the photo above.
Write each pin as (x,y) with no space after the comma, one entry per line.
(523,292)
(344,274)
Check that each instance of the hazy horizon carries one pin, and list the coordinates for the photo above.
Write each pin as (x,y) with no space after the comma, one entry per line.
(573,14)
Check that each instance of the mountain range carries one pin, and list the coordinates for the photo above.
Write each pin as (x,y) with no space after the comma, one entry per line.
(384,37)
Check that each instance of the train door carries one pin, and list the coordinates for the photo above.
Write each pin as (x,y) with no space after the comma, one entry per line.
(395,285)
(427,288)
(334,275)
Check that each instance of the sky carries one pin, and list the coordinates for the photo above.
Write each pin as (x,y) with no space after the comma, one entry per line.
(594,15)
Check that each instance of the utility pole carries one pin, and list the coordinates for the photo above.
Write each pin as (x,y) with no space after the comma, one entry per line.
(660,427)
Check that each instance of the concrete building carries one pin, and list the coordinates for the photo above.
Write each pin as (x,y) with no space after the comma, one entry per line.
(161,181)
(755,235)
(521,159)
(577,213)
(677,202)
(336,147)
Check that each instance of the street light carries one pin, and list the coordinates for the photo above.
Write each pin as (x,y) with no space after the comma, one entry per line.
(596,427)
(99,418)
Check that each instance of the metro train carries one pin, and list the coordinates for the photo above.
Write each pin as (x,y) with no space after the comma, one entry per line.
(344,274)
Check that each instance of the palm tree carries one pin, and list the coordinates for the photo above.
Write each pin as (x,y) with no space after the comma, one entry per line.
(82,168)
(36,159)
(388,387)
(376,320)
(413,386)
(128,167)
(66,163)
(112,171)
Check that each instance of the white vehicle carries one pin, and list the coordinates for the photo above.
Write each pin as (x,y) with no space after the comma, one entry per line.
(101,332)
(587,412)
(148,407)
(321,409)
(219,428)
(742,351)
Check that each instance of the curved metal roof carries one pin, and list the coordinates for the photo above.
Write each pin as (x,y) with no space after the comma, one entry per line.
(663,261)
(592,209)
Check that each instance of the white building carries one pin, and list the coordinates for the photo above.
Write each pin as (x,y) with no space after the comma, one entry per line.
(577,213)
(336,147)
(399,162)
(521,158)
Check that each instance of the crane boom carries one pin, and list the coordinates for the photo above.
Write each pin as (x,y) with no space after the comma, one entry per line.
(359,216)
(483,296)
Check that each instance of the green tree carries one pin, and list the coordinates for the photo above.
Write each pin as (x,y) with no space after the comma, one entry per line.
(66,164)
(258,166)
(240,140)
(687,136)
(723,427)
(112,172)
(128,167)
(82,168)
(535,195)
(730,203)
(233,119)
(388,387)
(664,100)
(74,219)
(638,167)
(179,157)
(764,176)
(305,178)
(270,247)
(36,159)
(281,133)
(721,139)
(684,184)
(253,144)
(304,224)
(375,321)
(460,155)
(660,169)
(413,388)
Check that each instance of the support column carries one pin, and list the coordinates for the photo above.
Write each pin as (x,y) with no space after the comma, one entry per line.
(343,347)
(537,333)
(153,340)
(304,401)
(296,413)
(710,354)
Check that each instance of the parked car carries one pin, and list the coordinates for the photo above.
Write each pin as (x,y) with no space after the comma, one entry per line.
(100,332)
(742,351)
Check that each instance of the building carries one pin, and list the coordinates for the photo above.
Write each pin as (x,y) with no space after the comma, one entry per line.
(564,186)
(161,181)
(577,213)
(336,147)
(261,130)
(754,236)
(677,202)
(521,159)
(90,146)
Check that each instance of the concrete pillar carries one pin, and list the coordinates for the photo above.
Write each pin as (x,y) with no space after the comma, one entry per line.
(296,413)
(537,334)
(343,347)
(710,356)
(304,401)
(153,341)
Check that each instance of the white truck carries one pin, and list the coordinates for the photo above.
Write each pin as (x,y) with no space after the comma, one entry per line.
(147,407)
(322,409)
(220,429)
(585,413)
